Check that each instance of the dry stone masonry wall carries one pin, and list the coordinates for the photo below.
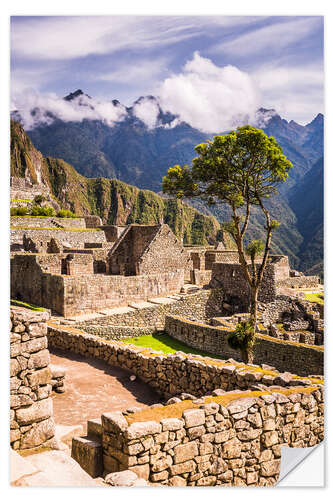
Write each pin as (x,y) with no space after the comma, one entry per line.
(215,441)
(304,359)
(75,238)
(171,375)
(31,410)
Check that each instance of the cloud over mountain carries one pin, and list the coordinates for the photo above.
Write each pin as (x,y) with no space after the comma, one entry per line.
(209,97)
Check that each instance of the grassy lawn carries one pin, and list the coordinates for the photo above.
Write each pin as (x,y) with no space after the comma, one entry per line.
(25,304)
(315,297)
(163,342)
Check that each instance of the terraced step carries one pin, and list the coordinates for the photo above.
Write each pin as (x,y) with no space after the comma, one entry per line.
(87,451)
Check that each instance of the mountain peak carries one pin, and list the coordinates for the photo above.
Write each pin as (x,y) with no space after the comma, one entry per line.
(317,120)
(74,95)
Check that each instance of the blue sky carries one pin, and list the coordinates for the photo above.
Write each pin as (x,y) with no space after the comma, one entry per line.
(195,63)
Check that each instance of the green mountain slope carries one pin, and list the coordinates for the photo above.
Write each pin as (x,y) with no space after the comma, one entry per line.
(114,201)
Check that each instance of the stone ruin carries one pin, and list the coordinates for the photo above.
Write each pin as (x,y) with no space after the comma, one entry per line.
(228,420)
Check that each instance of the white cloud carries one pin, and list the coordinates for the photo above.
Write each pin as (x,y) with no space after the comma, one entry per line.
(67,37)
(139,70)
(295,92)
(273,37)
(147,110)
(38,109)
(209,97)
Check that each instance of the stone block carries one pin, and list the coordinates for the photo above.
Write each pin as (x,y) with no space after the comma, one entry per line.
(177,481)
(38,411)
(38,434)
(142,429)
(39,359)
(123,478)
(14,367)
(185,452)
(39,377)
(240,405)
(171,424)
(193,418)
(142,471)
(270,468)
(89,454)
(231,449)
(182,468)
(94,427)
(34,345)
(269,438)
(114,422)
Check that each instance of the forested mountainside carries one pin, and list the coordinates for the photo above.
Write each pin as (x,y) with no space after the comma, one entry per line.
(114,201)
(132,152)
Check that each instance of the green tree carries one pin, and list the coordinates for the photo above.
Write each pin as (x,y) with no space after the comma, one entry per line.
(241,169)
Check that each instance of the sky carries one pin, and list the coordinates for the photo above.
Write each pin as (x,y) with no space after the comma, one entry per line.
(213,72)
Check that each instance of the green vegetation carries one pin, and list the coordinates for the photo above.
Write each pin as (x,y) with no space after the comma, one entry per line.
(241,170)
(46,211)
(163,342)
(315,297)
(19,211)
(39,199)
(65,214)
(26,305)
(114,201)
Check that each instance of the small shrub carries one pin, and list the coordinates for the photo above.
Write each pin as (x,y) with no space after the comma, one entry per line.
(14,211)
(39,199)
(65,214)
(39,211)
(242,337)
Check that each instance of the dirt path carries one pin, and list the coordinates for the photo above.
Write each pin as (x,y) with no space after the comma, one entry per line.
(93,387)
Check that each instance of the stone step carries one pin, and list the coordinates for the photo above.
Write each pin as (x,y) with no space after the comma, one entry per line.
(116,310)
(162,300)
(94,428)
(141,305)
(88,453)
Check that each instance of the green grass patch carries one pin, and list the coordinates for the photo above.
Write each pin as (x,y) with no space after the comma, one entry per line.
(19,303)
(315,297)
(168,345)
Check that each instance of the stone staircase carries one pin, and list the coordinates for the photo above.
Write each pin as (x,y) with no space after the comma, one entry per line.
(87,450)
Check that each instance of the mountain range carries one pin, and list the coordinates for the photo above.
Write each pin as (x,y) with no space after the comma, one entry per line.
(135,153)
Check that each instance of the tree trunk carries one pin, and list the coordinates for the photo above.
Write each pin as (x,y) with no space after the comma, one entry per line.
(253,308)
(248,355)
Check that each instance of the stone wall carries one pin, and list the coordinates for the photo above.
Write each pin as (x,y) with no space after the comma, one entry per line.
(77,264)
(164,254)
(231,440)
(197,306)
(303,359)
(84,294)
(300,281)
(31,410)
(47,222)
(231,278)
(171,375)
(92,221)
(72,238)
(200,278)
(34,275)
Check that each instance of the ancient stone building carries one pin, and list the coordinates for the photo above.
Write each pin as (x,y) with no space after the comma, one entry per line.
(145,249)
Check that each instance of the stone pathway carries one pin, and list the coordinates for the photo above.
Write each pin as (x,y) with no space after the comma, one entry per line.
(93,387)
